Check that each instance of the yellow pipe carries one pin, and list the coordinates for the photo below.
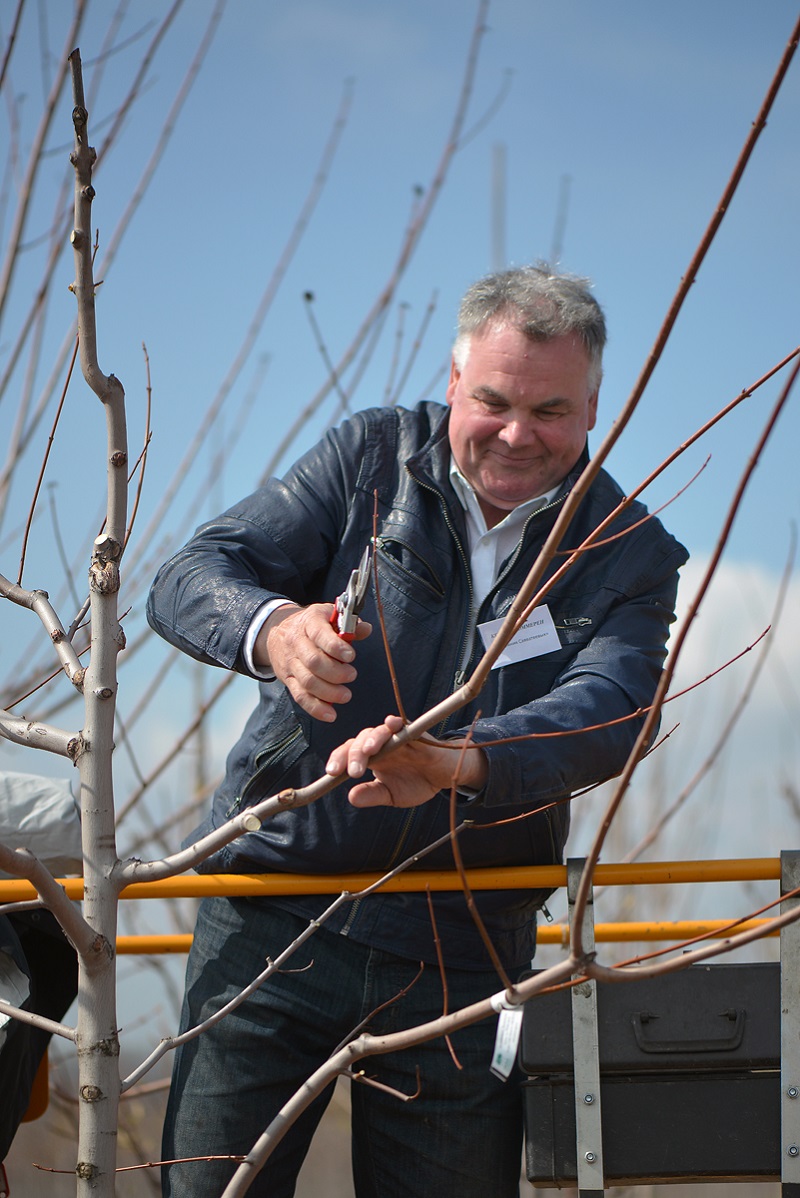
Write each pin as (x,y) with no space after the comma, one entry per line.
(152,945)
(557,933)
(522,877)
(678,930)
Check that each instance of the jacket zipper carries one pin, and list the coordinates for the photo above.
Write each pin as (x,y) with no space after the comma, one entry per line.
(272,752)
(515,555)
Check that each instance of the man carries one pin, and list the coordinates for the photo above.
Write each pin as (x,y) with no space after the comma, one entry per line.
(465,495)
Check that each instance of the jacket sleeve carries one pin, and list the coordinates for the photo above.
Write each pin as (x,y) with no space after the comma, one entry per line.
(582,730)
(276,543)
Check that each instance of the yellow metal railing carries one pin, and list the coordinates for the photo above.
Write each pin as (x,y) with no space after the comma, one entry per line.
(554,933)
(509,877)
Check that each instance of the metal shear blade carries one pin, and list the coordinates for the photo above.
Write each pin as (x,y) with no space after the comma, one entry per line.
(350,603)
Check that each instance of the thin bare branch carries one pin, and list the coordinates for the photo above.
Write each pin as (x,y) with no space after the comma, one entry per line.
(442,973)
(367,1045)
(390,1002)
(462,873)
(262,309)
(35,159)
(492,110)
(273,966)
(322,348)
(394,398)
(399,333)
(10,43)
(408,245)
(23,864)
(648,728)
(173,752)
(39,1021)
(361,1077)
(39,603)
(143,454)
(40,479)
(58,539)
(733,719)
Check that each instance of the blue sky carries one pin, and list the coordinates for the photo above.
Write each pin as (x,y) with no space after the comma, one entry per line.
(643,106)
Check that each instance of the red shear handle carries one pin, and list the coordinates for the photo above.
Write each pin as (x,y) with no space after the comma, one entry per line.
(344,617)
(338,616)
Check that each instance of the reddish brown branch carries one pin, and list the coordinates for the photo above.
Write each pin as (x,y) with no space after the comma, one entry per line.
(442,972)
(142,459)
(730,723)
(462,873)
(409,242)
(666,678)
(43,467)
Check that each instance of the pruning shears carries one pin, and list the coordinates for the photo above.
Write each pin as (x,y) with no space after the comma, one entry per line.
(349,604)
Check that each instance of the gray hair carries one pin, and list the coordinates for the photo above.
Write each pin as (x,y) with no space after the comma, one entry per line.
(539,302)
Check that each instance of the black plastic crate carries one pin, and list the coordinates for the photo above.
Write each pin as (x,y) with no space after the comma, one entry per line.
(707,1017)
(689,1078)
(679,1127)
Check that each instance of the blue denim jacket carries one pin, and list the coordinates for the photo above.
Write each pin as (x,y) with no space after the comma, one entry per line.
(299,538)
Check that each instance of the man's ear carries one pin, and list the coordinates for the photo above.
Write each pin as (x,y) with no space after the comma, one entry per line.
(455,375)
(593,409)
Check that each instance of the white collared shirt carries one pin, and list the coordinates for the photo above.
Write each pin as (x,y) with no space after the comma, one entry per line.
(489,547)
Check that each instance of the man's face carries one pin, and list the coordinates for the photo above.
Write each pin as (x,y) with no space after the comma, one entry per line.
(520,412)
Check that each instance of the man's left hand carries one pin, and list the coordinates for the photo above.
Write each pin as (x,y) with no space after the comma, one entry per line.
(408,775)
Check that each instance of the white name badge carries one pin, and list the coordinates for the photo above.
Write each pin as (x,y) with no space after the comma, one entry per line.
(536,636)
(506,1042)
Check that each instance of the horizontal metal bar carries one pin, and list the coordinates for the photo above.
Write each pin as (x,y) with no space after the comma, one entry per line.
(522,877)
(549,934)
(678,930)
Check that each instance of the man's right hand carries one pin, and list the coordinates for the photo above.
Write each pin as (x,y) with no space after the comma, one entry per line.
(301,648)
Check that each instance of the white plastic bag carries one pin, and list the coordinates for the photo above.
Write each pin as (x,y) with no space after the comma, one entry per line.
(41,814)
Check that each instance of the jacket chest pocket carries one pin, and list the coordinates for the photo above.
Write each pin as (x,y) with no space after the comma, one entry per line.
(410,579)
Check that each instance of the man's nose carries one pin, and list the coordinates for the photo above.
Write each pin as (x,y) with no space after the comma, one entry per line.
(518,433)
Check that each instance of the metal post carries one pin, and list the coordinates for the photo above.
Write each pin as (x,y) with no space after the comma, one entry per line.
(790,1032)
(586,1058)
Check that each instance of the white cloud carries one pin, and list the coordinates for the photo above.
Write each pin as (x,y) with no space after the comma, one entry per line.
(739,607)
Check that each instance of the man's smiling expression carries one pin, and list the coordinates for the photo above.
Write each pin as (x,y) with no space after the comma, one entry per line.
(519,414)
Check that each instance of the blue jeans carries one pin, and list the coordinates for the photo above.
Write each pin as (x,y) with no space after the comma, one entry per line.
(461,1138)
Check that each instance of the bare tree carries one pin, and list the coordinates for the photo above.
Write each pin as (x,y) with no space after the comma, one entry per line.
(105,874)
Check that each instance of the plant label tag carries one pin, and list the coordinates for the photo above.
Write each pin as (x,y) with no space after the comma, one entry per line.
(536,636)
(509,1026)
